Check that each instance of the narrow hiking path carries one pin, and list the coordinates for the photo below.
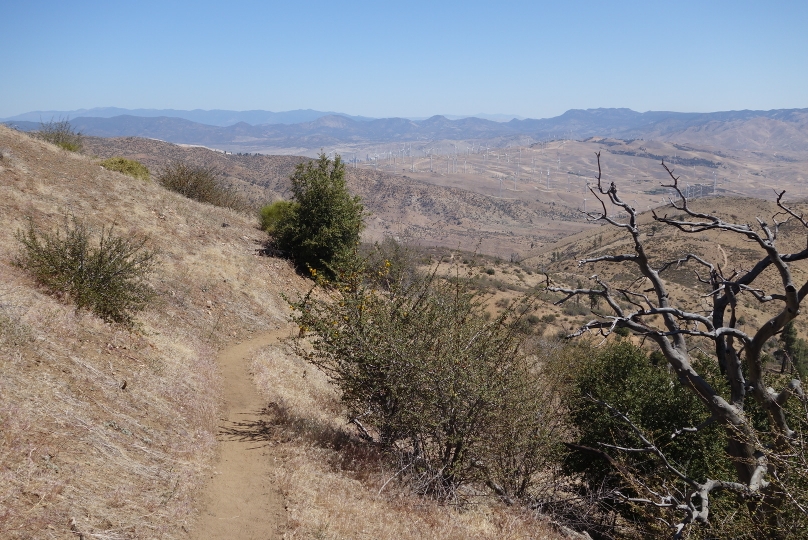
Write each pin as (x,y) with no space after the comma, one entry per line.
(240,501)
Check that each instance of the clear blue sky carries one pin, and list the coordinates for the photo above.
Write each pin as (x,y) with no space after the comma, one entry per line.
(415,58)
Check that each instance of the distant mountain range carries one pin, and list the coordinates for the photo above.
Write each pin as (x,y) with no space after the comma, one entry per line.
(215,117)
(221,117)
(785,129)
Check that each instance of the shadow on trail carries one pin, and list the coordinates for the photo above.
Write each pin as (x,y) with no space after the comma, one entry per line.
(277,425)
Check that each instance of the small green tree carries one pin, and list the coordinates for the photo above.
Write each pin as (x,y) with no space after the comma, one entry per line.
(620,381)
(328,220)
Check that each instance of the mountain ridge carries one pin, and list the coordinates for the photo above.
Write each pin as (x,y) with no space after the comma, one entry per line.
(785,127)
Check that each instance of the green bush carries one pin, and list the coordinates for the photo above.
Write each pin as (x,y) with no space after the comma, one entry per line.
(61,133)
(201,184)
(130,167)
(276,213)
(622,332)
(328,220)
(108,279)
(433,380)
(622,376)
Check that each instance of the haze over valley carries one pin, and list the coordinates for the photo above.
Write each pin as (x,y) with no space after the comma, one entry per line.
(505,188)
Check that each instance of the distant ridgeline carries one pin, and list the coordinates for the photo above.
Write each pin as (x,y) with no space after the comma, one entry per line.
(308,129)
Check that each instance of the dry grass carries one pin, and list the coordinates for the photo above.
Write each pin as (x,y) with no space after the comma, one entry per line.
(80,451)
(337,487)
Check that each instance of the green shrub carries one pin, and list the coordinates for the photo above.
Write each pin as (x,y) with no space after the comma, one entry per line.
(108,279)
(328,220)
(274,214)
(61,133)
(622,332)
(796,348)
(201,184)
(622,376)
(130,167)
(433,380)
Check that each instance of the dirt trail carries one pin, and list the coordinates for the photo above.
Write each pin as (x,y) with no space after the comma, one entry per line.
(240,500)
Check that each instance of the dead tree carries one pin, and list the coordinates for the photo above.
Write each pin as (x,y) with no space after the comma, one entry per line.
(761,459)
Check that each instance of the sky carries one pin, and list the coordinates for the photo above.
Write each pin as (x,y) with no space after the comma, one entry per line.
(408,59)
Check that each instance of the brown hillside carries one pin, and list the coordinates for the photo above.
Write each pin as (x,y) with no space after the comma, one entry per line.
(663,243)
(75,446)
(111,434)
(416,209)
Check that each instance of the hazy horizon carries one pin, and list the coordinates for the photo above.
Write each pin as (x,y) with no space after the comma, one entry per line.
(526,59)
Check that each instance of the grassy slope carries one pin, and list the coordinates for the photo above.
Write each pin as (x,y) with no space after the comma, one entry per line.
(73,445)
(78,454)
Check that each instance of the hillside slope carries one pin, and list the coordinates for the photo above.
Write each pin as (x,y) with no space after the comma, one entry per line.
(410,208)
(80,451)
(111,434)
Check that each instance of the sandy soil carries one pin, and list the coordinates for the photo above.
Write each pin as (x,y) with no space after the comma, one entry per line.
(241,500)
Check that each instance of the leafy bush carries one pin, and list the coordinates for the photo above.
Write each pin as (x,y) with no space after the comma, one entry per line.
(130,167)
(429,378)
(327,221)
(623,377)
(622,332)
(109,280)
(276,213)
(61,133)
(201,184)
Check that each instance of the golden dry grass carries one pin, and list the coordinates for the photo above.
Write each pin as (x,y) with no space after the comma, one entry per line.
(79,454)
